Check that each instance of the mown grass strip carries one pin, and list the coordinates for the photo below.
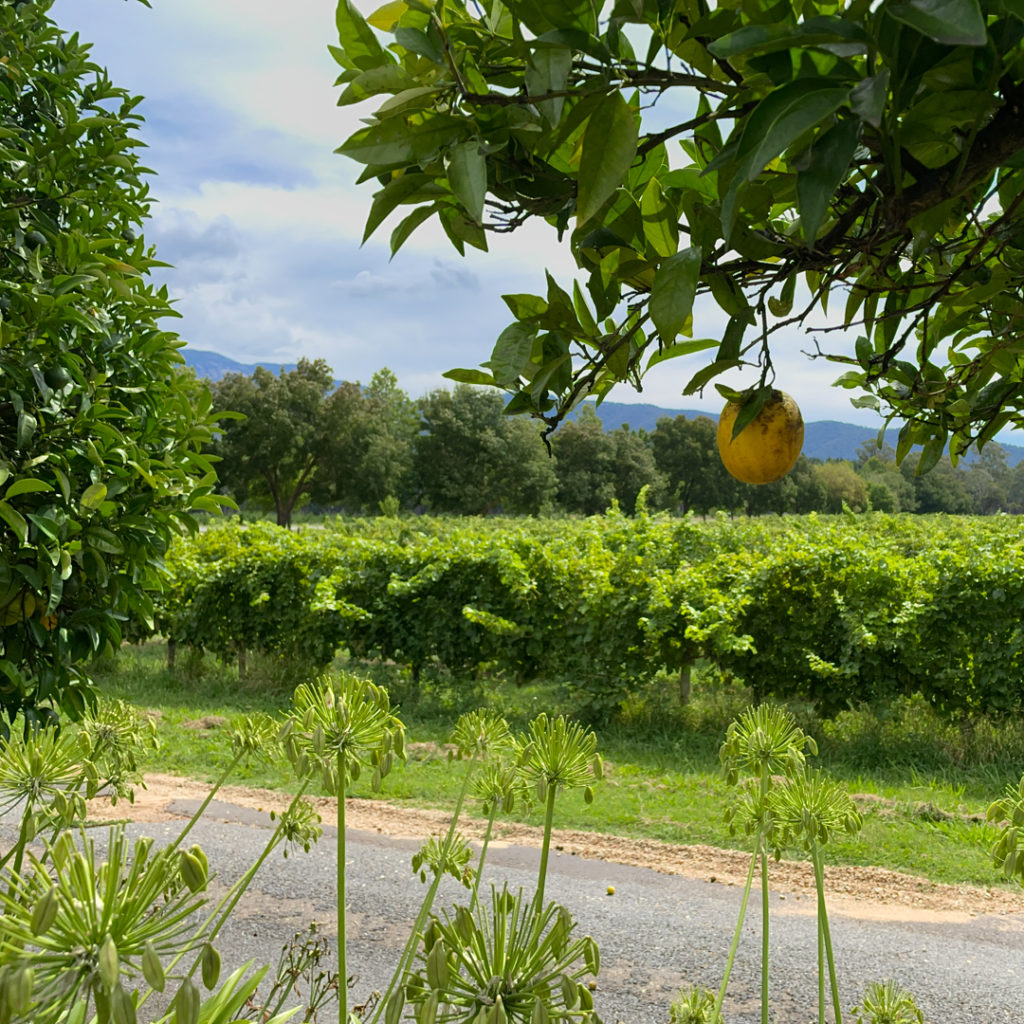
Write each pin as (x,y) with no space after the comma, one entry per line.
(662,782)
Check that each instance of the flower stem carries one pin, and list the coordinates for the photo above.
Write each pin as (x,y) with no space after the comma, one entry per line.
(230,899)
(764,930)
(717,1016)
(763,838)
(483,856)
(549,819)
(428,901)
(825,933)
(190,824)
(342,958)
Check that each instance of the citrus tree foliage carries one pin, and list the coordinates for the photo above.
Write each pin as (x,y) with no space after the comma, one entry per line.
(100,433)
(725,177)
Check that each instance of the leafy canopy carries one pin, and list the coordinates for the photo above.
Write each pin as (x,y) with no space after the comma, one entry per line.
(101,434)
(805,165)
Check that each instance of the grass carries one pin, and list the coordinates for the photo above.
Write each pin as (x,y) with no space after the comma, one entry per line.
(922,784)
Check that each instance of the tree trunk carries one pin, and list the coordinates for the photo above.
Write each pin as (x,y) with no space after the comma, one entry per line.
(241,663)
(172,651)
(685,685)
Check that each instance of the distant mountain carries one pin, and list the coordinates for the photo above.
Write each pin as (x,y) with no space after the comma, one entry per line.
(823,439)
(214,366)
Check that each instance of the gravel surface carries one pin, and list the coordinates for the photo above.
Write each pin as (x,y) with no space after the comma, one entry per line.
(960,950)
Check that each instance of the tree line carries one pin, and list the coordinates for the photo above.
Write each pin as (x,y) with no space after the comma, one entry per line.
(297,438)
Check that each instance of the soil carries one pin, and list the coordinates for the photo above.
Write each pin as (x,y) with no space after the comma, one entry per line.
(864,892)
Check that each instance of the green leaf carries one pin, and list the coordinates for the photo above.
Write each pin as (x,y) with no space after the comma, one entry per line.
(510,357)
(93,495)
(388,78)
(951,22)
(583,313)
(770,38)
(426,43)
(826,165)
(543,15)
(673,291)
(548,71)
(609,146)
(753,404)
(15,520)
(409,225)
(460,229)
(398,141)
(701,377)
(27,424)
(385,18)
(867,100)
(393,194)
(732,339)
(681,348)
(469,377)
(782,117)
(102,539)
(930,455)
(525,306)
(777,122)
(467,175)
(661,227)
(26,485)
(360,46)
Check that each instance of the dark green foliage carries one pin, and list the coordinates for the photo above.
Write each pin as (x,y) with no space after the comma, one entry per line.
(100,430)
(470,458)
(283,430)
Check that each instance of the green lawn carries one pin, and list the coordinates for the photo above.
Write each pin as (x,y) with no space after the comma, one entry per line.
(923,799)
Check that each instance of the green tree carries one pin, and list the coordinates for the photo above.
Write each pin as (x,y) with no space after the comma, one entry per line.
(686,453)
(101,435)
(986,478)
(585,464)
(1015,489)
(764,158)
(888,489)
(942,489)
(387,434)
(286,428)
(843,487)
(634,468)
(470,458)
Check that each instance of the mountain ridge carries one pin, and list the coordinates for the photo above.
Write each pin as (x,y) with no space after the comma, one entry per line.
(823,439)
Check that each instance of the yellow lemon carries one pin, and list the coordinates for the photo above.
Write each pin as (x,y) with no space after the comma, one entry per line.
(767,448)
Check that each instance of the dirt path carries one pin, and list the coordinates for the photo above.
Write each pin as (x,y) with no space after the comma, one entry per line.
(862,892)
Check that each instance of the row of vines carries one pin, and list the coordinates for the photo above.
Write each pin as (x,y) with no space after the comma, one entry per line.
(835,610)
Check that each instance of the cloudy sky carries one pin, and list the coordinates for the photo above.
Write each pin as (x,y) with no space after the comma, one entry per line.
(262,221)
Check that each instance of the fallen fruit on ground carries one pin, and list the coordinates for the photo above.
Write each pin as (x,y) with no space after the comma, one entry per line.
(766,449)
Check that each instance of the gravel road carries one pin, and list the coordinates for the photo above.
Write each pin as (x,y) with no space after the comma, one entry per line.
(655,933)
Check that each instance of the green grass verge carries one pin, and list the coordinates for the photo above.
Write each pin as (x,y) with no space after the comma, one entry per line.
(922,784)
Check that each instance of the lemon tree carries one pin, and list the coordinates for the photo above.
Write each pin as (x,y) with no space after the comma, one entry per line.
(782,162)
(100,431)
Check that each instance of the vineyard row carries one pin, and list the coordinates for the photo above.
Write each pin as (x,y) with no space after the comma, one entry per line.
(835,610)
